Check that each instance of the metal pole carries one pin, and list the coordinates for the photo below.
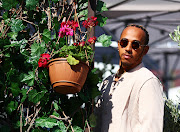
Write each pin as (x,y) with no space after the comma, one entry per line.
(166,74)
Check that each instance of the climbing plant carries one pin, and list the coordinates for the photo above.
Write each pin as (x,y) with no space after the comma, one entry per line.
(28,29)
(171,110)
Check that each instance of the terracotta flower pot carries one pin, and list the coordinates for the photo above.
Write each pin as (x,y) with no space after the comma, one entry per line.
(65,78)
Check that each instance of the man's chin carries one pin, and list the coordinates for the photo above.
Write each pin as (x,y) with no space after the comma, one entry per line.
(126,63)
(127,66)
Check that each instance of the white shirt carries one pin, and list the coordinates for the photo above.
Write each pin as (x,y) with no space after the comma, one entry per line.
(134,104)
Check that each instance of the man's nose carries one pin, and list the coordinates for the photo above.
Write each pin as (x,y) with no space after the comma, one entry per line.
(129,47)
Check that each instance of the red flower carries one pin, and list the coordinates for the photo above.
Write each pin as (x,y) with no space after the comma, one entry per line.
(43,60)
(63,24)
(92,40)
(81,43)
(72,24)
(90,22)
(75,44)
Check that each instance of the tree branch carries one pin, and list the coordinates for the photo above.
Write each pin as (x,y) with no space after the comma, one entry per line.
(32,121)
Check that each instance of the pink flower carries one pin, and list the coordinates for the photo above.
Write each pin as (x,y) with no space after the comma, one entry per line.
(43,60)
(90,22)
(81,43)
(92,40)
(65,30)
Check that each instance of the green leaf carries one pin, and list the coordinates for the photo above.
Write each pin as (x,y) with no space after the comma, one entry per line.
(37,49)
(56,106)
(31,4)
(29,78)
(15,89)
(12,35)
(55,1)
(105,40)
(23,47)
(56,24)
(5,15)
(46,35)
(24,91)
(43,18)
(72,61)
(62,126)
(12,106)
(101,20)
(175,36)
(101,6)
(8,4)
(46,122)
(17,25)
(16,43)
(10,73)
(35,96)
(94,92)
(92,81)
(92,120)
(43,75)
(84,97)
(83,14)
(13,44)
(17,124)
(4,42)
(7,55)
(55,114)
(77,129)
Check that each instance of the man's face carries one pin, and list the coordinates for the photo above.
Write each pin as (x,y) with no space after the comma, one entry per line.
(129,57)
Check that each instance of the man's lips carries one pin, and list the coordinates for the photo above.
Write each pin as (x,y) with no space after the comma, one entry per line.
(127,56)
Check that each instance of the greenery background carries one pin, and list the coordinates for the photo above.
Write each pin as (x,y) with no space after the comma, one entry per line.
(27,100)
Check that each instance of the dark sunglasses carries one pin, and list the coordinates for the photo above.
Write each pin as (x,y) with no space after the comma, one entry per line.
(135,44)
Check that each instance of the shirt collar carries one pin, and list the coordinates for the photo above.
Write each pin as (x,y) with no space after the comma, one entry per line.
(137,67)
(130,71)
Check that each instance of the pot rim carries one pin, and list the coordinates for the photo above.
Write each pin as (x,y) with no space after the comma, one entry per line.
(64,59)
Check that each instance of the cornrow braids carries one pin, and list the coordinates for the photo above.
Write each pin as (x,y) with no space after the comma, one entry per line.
(141,27)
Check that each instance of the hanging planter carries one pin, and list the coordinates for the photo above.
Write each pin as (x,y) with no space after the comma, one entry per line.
(65,78)
(72,50)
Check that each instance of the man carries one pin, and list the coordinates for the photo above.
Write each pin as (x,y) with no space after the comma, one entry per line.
(132,99)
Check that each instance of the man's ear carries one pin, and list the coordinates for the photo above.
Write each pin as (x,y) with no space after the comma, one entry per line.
(146,48)
(118,45)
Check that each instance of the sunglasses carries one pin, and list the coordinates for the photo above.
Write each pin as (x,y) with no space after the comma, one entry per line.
(135,44)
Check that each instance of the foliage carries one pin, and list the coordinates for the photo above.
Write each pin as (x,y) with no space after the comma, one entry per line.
(171,117)
(28,29)
(175,36)
(171,110)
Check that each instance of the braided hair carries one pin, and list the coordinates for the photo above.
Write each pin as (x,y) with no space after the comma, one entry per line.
(141,27)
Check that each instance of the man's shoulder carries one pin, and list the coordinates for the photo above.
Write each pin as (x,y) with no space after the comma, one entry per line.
(145,76)
(144,73)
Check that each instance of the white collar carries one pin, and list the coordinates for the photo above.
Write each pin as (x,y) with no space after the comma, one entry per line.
(137,67)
